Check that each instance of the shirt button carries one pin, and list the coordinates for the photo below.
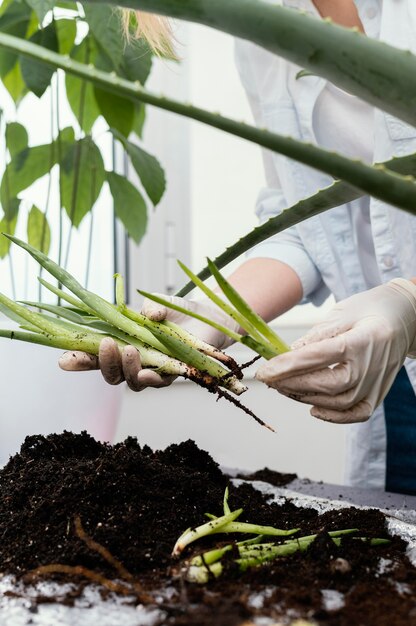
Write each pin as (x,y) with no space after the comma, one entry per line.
(371,13)
(388,262)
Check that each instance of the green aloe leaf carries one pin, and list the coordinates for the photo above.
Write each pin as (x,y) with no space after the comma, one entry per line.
(16,138)
(38,76)
(38,230)
(335,195)
(129,205)
(201,318)
(372,70)
(82,177)
(246,311)
(376,181)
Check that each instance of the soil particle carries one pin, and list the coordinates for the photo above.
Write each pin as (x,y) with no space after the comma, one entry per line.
(136,503)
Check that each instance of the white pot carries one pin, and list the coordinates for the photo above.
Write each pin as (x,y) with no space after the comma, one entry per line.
(38,398)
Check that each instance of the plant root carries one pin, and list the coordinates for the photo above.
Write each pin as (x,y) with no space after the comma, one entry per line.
(79,570)
(224,394)
(129,586)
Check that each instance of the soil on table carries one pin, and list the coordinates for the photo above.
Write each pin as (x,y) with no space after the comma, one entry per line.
(136,503)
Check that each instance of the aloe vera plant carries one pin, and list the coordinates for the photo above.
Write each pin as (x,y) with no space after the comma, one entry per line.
(259,336)
(83,326)
(374,71)
(252,552)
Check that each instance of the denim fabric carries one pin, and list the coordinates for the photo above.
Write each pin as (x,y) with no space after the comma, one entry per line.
(400,415)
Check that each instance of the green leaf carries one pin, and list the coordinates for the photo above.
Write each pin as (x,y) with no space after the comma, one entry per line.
(11,209)
(24,169)
(246,311)
(148,169)
(129,205)
(6,226)
(137,61)
(38,230)
(117,111)
(80,93)
(41,7)
(139,119)
(38,76)
(105,25)
(5,5)
(16,138)
(15,84)
(13,21)
(66,31)
(82,177)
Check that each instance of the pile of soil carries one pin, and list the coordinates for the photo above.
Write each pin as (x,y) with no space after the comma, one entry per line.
(136,502)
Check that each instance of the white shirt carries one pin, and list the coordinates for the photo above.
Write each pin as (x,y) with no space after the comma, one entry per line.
(345,124)
(326,251)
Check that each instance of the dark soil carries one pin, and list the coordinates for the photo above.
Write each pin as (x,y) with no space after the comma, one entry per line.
(269,476)
(136,503)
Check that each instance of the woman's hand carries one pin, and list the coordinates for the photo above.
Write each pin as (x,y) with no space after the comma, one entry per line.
(346,365)
(117,367)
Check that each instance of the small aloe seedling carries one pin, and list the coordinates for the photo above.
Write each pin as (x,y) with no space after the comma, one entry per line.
(226,524)
(258,334)
(208,565)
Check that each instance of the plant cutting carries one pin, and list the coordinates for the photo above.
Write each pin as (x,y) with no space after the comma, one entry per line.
(163,346)
(226,524)
(252,552)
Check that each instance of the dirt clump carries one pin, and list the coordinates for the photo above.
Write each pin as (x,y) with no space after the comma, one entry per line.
(136,502)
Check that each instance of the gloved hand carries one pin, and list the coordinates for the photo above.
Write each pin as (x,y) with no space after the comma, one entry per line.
(116,367)
(346,365)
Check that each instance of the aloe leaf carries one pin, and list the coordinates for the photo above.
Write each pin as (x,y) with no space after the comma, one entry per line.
(63,342)
(372,70)
(35,319)
(78,304)
(185,352)
(374,180)
(120,295)
(261,349)
(197,316)
(197,343)
(193,534)
(226,508)
(60,311)
(229,310)
(335,195)
(246,311)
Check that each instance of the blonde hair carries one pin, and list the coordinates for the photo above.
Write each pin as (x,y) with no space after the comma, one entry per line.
(156,30)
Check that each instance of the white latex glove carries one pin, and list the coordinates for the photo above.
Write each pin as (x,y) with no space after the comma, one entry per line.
(346,365)
(116,367)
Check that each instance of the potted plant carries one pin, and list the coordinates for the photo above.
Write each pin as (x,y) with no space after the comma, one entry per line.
(70,158)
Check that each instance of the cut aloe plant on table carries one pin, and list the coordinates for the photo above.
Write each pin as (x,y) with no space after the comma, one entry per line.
(163,346)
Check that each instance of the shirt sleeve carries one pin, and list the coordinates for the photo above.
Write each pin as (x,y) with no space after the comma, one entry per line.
(286,246)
